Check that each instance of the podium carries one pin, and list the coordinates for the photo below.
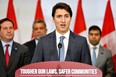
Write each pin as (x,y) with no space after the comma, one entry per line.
(58,69)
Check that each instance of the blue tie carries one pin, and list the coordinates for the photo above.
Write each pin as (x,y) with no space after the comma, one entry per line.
(62,49)
(94,57)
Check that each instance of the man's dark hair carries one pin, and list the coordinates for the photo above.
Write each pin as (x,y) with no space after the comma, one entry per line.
(61,5)
(95,27)
(5,19)
(39,21)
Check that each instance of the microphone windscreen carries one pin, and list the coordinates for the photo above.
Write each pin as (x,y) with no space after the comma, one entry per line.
(59,45)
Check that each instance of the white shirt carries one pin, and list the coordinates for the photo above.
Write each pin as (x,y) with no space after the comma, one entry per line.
(9,48)
(91,49)
(65,41)
(36,41)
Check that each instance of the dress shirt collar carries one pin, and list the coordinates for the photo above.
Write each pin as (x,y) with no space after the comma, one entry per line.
(66,35)
(36,41)
(3,43)
(9,48)
(91,46)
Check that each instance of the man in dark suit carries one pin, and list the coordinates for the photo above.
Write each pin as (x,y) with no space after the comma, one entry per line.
(74,47)
(39,30)
(103,59)
(12,54)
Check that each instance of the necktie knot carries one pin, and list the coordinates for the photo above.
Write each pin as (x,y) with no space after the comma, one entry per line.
(62,38)
(94,48)
(7,45)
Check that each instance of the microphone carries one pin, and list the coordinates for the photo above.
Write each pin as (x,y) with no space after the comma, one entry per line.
(59,45)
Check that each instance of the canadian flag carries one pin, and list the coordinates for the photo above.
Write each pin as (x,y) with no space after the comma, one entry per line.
(80,27)
(109,32)
(38,14)
(11,15)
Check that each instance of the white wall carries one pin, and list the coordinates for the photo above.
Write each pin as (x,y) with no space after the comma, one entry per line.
(25,12)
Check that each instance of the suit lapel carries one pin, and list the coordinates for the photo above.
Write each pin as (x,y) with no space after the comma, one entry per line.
(71,45)
(100,56)
(2,57)
(13,54)
(52,41)
(33,44)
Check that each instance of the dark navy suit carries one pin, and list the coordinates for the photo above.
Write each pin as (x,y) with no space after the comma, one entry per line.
(78,50)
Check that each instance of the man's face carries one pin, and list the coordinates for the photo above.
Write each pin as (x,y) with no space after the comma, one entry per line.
(39,30)
(62,20)
(7,31)
(94,37)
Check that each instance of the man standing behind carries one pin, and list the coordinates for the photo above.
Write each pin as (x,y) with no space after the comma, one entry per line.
(12,54)
(62,44)
(39,30)
(100,56)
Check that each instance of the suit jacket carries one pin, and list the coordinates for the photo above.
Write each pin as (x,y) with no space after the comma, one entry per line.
(46,49)
(105,62)
(19,57)
(31,46)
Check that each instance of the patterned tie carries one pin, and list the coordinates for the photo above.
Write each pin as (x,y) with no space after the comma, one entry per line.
(7,55)
(62,49)
(94,56)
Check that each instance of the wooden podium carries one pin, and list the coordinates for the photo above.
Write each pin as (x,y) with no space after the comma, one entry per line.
(58,69)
